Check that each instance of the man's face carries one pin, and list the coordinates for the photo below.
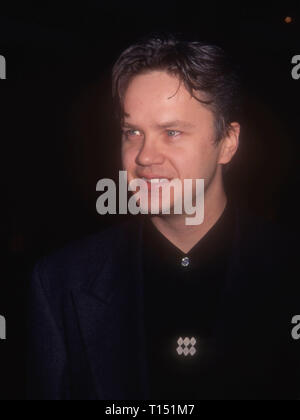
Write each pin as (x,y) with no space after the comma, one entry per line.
(167,133)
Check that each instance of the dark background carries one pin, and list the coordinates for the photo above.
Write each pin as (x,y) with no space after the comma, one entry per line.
(58,137)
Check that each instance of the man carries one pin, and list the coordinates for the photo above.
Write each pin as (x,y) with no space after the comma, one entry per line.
(154,308)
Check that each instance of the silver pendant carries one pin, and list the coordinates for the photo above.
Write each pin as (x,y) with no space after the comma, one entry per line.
(186,347)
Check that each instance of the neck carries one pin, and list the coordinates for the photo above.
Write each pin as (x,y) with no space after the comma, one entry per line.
(185,237)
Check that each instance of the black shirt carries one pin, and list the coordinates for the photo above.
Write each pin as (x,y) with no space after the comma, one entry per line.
(182,296)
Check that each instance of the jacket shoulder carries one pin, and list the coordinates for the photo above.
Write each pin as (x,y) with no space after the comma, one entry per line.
(268,247)
(75,263)
(262,232)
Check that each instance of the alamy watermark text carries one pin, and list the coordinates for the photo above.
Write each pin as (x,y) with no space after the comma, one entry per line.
(296,68)
(2,328)
(2,67)
(153,196)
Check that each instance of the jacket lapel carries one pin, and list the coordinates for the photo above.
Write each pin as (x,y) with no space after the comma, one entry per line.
(111,321)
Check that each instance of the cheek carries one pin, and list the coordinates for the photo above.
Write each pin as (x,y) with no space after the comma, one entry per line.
(197,162)
(128,157)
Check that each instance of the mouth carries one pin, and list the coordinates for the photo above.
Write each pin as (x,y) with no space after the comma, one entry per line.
(156,181)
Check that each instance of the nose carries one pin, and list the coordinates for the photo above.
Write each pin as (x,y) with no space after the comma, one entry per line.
(149,154)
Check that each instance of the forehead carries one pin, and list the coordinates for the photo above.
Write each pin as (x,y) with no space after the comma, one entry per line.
(159,96)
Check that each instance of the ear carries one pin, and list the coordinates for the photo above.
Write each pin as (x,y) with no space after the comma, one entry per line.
(230,144)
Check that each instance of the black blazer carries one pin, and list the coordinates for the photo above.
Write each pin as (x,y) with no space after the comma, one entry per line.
(86,335)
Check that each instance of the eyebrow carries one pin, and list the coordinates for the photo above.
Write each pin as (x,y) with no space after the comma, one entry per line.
(176,123)
(167,124)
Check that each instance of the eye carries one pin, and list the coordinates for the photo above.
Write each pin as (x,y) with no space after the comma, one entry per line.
(131,133)
(173,133)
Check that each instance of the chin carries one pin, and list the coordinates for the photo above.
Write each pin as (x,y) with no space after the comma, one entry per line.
(162,209)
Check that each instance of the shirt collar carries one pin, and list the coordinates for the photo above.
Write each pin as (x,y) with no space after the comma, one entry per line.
(158,249)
